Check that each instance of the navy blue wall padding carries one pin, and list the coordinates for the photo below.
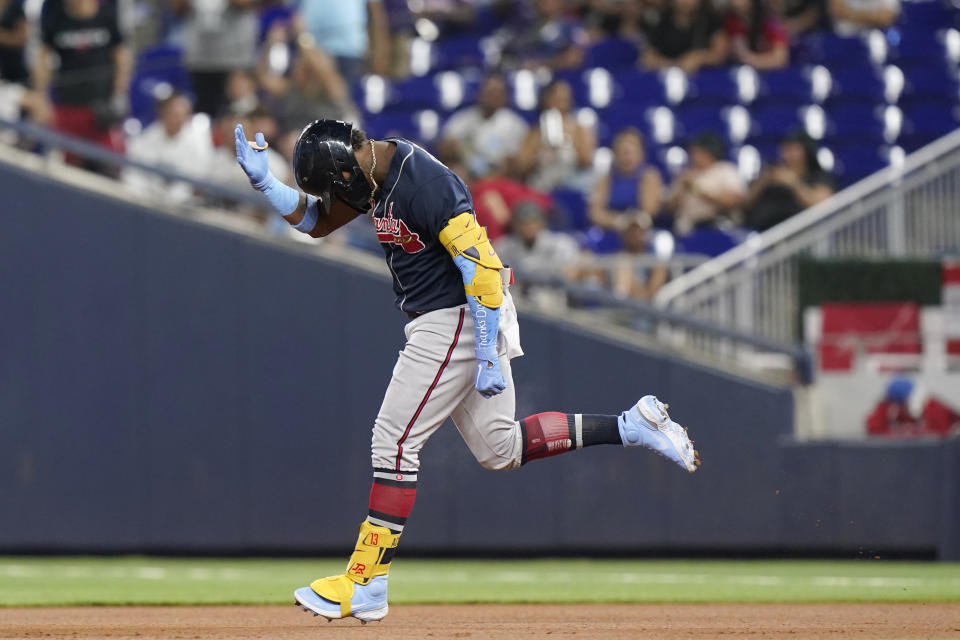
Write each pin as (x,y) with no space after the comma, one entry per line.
(169,386)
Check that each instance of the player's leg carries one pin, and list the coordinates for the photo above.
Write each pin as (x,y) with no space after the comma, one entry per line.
(432,374)
(499,441)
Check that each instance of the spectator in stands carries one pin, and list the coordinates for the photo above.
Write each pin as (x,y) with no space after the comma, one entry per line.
(711,186)
(487,133)
(799,16)
(630,276)
(536,252)
(91,83)
(310,88)
(555,40)
(173,143)
(757,38)
(851,17)
(496,198)
(794,184)
(350,30)
(13,39)
(560,150)
(612,18)
(632,188)
(689,34)
(220,37)
(241,92)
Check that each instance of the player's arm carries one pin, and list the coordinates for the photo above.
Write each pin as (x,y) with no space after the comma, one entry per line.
(473,254)
(308,214)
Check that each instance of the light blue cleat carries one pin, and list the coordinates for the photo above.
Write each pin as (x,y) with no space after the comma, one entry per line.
(368,603)
(647,424)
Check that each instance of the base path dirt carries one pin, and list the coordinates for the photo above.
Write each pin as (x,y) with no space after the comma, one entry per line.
(528,622)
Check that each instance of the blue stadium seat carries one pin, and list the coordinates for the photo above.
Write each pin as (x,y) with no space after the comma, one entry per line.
(856,161)
(925,121)
(713,86)
(918,47)
(396,122)
(570,213)
(835,52)
(638,87)
(785,85)
(772,121)
(931,81)
(694,119)
(156,66)
(619,116)
(601,241)
(862,122)
(456,52)
(855,85)
(707,241)
(612,53)
(926,13)
(414,93)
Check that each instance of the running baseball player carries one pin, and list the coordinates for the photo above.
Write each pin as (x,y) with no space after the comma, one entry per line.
(451,285)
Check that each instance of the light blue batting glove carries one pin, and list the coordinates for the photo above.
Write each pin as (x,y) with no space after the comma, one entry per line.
(489,379)
(282,198)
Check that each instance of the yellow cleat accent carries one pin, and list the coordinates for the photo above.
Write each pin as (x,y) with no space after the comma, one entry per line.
(364,566)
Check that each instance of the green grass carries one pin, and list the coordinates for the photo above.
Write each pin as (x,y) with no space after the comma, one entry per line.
(138,580)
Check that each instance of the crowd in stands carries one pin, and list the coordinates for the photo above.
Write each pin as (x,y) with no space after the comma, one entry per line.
(555,186)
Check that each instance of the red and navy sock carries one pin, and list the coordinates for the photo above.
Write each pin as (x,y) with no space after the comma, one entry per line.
(391,499)
(552,433)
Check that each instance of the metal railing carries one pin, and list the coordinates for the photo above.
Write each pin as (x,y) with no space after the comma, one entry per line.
(89,151)
(911,210)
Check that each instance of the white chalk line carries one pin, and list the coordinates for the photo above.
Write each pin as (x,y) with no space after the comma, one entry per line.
(505,577)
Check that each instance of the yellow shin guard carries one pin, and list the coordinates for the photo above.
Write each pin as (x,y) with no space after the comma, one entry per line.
(365,564)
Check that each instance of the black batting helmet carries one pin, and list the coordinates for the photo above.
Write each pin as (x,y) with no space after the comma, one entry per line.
(323,158)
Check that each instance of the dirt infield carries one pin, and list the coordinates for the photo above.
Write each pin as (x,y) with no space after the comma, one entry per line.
(652,622)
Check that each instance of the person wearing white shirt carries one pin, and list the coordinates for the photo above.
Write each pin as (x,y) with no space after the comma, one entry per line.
(486,134)
(174,143)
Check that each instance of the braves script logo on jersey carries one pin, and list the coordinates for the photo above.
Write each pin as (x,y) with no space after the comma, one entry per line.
(394,230)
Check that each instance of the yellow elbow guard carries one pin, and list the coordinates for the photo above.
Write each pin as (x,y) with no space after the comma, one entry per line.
(464,237)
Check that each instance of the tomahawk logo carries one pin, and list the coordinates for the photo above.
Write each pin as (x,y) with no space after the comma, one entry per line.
(392,230)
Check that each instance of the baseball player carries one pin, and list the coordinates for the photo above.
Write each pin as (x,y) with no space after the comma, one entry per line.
(461,335)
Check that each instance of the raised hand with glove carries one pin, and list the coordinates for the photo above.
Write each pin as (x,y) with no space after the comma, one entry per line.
(282,198)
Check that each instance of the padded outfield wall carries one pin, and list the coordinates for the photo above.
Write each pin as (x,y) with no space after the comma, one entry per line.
(168,386)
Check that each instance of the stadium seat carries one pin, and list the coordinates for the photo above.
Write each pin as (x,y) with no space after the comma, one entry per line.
(620,116)
(456,52)
(924,121)
(785,85)
(157,70)
(835,52)
(926,13)
(854,161)
(612,53)
(638,87)
(860,122)
(937,82)
(601,241)
(713,86)
(707,241)
(693,119)
(570,210)
(855,85)
(772,121)
(918,47)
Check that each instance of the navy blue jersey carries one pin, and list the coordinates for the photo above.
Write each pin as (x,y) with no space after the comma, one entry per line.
(417,199)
